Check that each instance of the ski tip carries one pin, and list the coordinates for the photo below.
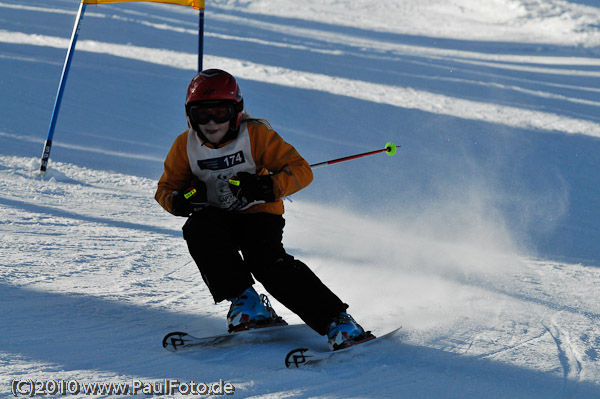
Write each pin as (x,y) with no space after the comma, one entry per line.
(296,358)
(173,341)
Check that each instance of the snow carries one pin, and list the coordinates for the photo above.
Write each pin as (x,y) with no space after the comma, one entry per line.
(479,238)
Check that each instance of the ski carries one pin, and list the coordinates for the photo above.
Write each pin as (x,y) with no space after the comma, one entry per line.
(178,341)
(303,357)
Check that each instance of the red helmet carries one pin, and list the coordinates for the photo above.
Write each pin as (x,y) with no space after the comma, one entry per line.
(213,88)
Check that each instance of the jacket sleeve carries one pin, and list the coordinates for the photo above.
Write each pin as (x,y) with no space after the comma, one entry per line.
(177,173)
(291,173)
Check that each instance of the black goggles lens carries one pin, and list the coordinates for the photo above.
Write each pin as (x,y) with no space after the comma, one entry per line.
(202,115)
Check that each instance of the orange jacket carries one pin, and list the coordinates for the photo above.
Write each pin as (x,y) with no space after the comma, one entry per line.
(271,154)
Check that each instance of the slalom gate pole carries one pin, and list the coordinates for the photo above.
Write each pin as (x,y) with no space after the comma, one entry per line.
(61,89)
(390,149)
(200,39)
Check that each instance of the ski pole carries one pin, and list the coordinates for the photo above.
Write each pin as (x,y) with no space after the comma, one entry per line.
(390,149)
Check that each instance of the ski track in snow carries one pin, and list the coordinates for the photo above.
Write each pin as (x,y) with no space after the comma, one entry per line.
(93,272)
(108,269)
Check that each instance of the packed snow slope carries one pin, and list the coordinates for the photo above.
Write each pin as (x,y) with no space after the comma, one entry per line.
(480,237)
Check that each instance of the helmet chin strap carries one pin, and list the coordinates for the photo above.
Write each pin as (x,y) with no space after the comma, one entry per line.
(193,128)
(201,137)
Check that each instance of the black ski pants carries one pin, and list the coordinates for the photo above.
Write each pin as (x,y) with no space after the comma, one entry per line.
(230,248)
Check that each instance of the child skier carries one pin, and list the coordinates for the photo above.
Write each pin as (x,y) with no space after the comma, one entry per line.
(227,173)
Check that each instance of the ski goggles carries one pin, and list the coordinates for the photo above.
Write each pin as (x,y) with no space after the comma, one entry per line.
(203,115)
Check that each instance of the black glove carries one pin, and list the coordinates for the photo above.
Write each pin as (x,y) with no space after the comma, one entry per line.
(252,187)
(188,200)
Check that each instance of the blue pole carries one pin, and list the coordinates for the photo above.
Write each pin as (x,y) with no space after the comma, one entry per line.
(61,89)
(200,39)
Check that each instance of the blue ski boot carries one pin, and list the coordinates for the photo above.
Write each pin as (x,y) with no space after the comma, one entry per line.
(251,310)
(344,331)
